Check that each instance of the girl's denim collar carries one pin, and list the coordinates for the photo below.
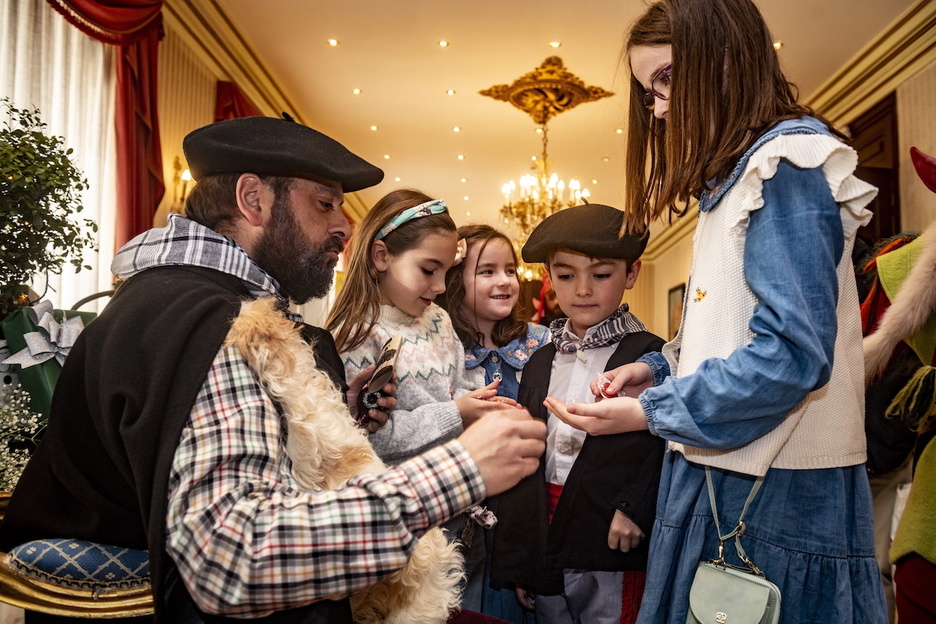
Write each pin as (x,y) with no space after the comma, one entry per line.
(516,352)
(803,125)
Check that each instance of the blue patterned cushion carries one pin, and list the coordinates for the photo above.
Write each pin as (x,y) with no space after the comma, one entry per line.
(78,564)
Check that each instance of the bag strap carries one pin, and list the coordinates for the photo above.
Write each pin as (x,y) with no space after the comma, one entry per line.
(739,528)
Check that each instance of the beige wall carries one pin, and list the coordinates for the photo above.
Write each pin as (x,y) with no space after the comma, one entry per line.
(186,101)
(665,266)
(916,120)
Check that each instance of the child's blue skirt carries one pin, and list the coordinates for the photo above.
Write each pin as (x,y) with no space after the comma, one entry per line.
(810,531)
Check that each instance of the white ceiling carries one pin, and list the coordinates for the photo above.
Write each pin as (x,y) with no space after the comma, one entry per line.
(389,50)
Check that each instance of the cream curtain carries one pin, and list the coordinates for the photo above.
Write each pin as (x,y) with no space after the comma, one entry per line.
(47,63)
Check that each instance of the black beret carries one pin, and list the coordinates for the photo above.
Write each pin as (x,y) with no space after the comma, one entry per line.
(272,146)
(591,229)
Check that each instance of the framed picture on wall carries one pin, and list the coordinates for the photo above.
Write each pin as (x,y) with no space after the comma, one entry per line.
(675,299)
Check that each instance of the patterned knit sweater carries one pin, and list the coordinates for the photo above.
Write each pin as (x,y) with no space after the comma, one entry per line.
(430,375)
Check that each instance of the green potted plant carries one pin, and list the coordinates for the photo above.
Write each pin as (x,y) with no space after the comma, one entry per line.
(40,190)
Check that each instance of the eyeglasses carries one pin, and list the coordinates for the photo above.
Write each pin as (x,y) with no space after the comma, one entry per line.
(659,87)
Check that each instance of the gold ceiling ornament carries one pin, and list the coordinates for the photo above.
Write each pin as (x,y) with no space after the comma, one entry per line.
(546,91)
(543,93)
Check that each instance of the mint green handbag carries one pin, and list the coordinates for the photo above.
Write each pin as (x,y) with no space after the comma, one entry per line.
(725,594)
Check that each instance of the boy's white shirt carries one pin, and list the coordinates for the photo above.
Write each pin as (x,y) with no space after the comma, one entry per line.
(569,381)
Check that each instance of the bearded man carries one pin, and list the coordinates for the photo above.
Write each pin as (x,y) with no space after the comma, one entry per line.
(161,436)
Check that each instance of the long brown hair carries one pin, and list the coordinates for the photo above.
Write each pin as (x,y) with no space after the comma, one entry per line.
(727,89)
(506,329)
(358,304)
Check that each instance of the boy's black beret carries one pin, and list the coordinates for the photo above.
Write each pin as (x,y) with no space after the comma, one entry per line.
(272,146)
(591,229)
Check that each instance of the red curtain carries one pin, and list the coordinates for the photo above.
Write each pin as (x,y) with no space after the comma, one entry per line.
(231,103)
(135,26)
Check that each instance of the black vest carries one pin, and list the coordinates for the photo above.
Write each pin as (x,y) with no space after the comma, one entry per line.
(612,472)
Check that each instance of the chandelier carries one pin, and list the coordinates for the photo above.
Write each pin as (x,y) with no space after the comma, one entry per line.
(545,92)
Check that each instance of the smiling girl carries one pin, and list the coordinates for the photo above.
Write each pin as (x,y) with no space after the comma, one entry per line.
(482,295)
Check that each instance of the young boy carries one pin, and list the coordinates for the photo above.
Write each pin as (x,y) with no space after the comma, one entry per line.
(574,535)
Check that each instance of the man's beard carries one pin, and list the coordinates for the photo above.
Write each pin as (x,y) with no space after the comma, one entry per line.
(304,270)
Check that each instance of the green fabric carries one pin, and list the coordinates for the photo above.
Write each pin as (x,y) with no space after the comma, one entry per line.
(892,269)
(916,532)
(915,403)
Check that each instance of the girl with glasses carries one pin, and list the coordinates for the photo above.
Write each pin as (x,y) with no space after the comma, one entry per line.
(765,376)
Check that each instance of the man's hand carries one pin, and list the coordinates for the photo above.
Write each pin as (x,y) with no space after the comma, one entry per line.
(624,534)
(506,445)
(370,419)
(617,415)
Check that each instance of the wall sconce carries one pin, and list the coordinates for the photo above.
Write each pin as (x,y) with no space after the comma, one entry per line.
(186,178)
(182,177)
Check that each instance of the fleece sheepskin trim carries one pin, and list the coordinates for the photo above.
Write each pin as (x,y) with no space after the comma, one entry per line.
(327,449)
(911,308)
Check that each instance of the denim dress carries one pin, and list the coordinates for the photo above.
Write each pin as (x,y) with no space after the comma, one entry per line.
(810,531)
(504,363)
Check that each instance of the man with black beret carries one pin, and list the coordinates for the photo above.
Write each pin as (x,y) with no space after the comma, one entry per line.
(163,438)
(574,534)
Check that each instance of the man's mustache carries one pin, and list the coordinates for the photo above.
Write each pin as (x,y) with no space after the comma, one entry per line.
(336,245)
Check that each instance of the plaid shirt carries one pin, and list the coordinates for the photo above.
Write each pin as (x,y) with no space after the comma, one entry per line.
(249,541)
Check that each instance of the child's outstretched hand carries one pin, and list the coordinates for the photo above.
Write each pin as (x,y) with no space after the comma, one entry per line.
(477,403)
(624,534)
(616,415)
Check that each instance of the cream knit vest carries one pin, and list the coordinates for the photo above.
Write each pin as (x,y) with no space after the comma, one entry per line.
(826,429)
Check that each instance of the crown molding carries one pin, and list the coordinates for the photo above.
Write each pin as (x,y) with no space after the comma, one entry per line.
(209,32)
(671,234)
(902,49)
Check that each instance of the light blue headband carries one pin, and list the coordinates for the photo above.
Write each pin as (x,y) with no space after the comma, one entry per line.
(436,206)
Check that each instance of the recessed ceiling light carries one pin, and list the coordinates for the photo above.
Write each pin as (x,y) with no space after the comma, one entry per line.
(396,179)
(605,159)
(356,91)
(467,213)
(374,128)
(333,42)
(464,179)
(619,130)
(594,181)
(467,198)
(555,44)
(450,91)
(443,44)
(386,156)
(461,157)
(777,45)
(532,157)
(456,129)
(539,131)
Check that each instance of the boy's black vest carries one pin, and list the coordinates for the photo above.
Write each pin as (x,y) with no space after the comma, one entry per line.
(612,472)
